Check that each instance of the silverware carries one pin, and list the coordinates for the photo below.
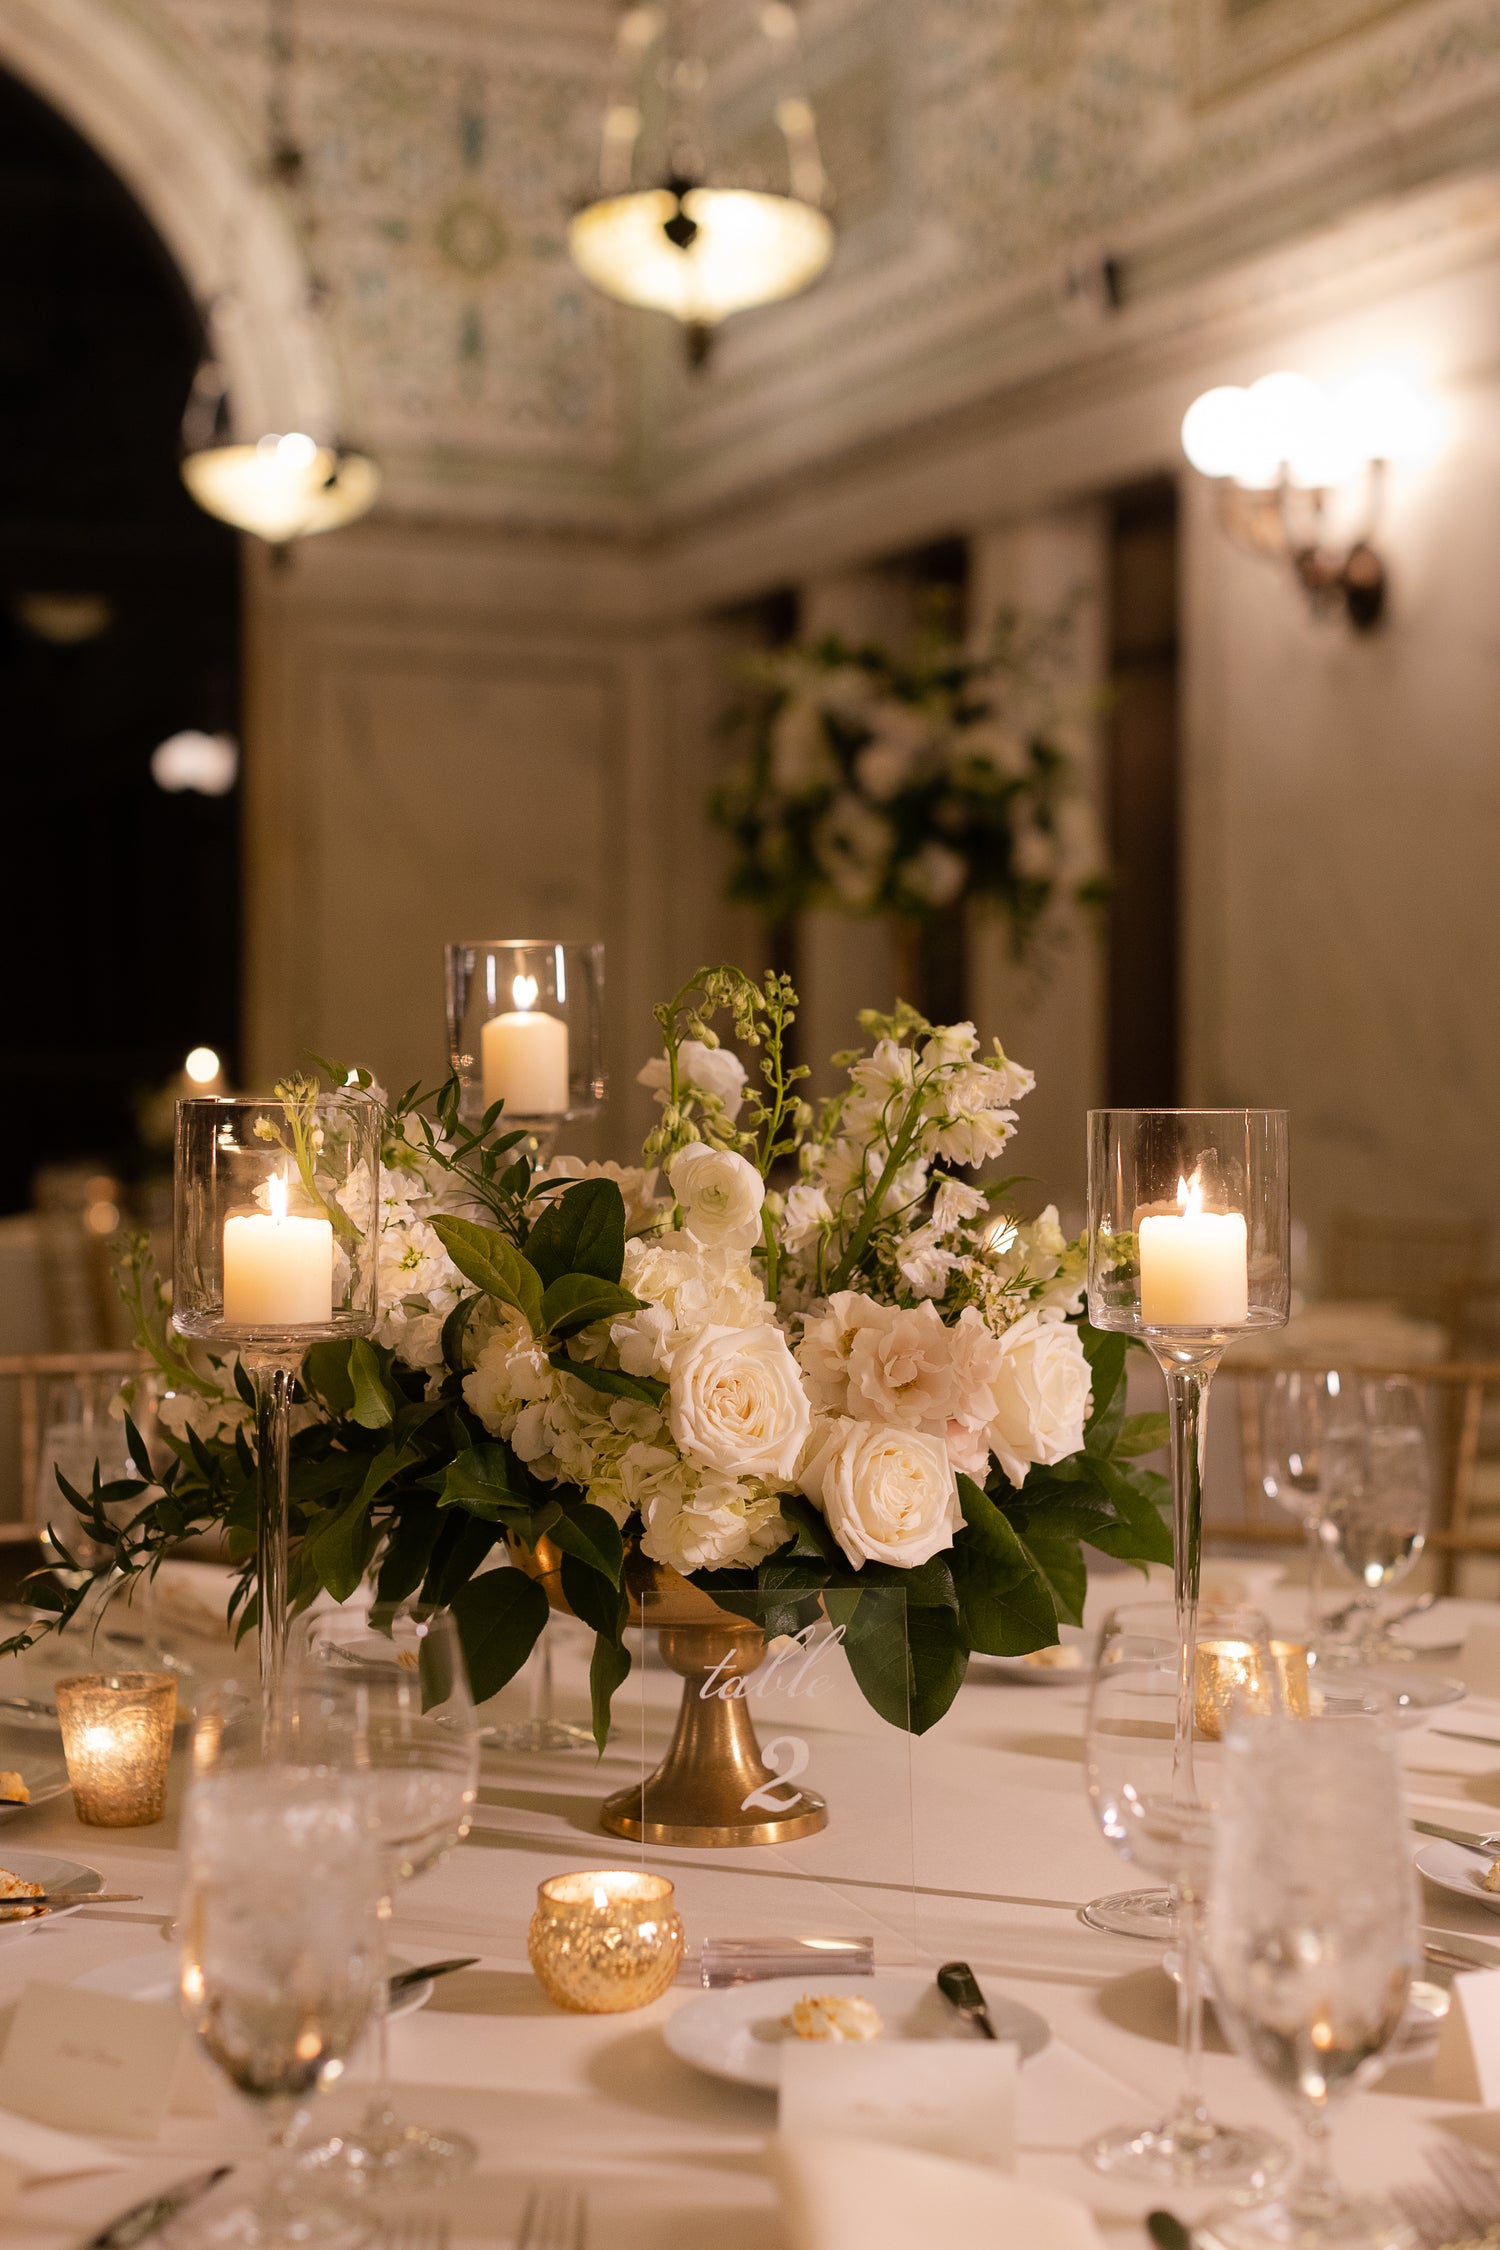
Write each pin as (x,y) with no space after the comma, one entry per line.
(554,2219)
(34,1706)
(1453,1734)
(960,1987)
(405,1979)
(156,2212)
(1460,2210)
(1341,1617)
(1489,1845)
(1444,1957)
(1166,2232)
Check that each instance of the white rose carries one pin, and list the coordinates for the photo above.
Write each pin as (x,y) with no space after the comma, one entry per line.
(889,1495)
(737,1403)
(1041,1396)
(902,1371)
(827,1343)
(720,1193)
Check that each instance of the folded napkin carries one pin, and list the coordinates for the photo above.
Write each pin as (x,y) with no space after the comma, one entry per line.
(853,2195)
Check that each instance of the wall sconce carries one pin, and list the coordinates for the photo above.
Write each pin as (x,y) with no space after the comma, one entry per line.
(1279,450)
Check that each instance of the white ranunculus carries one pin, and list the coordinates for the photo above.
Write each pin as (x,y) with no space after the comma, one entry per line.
(706,1070)
(720,1193)
(888,1494)
(1041,1395)
(737,1403)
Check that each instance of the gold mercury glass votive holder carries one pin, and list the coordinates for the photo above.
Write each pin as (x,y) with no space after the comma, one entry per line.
(1227,1677)
(1292,1659)
(117,1739)
(604,1943)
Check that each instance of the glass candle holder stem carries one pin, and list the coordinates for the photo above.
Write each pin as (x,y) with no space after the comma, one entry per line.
(273,1374)
(1189,1369)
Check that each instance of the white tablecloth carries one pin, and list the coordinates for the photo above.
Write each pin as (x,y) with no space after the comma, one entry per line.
(1008,1853)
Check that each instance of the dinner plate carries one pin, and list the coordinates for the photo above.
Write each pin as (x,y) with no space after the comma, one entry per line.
(1074,1646)
(54,1875)
(153,1976)
(1453,1867)
(40,1767)
(739,2033)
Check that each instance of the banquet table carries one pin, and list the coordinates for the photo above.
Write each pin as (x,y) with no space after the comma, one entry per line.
(1007,1853)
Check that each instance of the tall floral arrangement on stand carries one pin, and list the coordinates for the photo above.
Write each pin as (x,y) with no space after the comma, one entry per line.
(908,787)
(793,1352)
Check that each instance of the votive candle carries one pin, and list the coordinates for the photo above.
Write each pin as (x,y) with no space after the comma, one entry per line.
(117,1739)
(278,1270)
(1195,1264)
(605,1943)
(524,1057)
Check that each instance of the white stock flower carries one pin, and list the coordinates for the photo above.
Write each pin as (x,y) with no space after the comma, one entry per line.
(901,1370)
(956,1203)
(888,1494)
(923,1263)
(950,1043)
(737,1403)
(721,1195)
(804,1215)
(1041,1396)
(716,1071)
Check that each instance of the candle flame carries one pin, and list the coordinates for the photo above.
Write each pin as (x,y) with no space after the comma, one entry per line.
(524,991)
(1190,1194)
(601,1897)
(276,1189)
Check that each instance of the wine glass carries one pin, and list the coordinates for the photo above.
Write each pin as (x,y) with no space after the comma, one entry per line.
(384,1697)
(1378,1485)
(1157,1807)
(1312,1940)
(1302,1407)
(281,1960)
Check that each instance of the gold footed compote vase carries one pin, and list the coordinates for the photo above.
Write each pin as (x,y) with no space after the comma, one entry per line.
(713,1790)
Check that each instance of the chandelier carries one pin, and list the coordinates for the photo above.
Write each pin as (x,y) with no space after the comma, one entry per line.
(665,234)
(285,484)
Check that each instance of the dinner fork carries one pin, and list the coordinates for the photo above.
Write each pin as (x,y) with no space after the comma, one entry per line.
(554,2219)
(1460,2212)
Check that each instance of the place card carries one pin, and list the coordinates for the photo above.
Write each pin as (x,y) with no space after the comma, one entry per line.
(90,2061)
(949,2097)
(1466,2067)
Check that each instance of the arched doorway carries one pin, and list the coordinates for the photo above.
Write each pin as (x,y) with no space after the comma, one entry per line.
(119,626)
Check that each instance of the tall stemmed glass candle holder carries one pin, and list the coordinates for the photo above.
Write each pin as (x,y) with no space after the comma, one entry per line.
(526,1027)
(1189,1246)
(277,1224)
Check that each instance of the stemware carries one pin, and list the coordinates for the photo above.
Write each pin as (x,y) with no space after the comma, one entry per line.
(1303,1406)
(1379,1500)
(280,1967)
(1162,1820)
(384,1697)
(1312,1939)
(1189,1244)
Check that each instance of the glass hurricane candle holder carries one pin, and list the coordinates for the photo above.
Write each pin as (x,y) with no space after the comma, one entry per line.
(117,1739)
(277,1221)
(1189,1244)
(602,1944)
(526,1028)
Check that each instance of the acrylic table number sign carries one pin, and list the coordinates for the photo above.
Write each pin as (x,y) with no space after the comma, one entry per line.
(276,1222)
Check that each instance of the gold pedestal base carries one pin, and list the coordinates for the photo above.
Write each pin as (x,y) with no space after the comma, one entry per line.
(713,1789)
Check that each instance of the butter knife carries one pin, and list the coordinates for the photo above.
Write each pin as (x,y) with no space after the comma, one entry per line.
(157,2211)
(406,1979)
(1486,1845)
(1167,2232)
(960,1987)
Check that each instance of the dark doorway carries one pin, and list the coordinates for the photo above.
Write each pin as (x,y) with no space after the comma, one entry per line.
(119,627)
(1142,797)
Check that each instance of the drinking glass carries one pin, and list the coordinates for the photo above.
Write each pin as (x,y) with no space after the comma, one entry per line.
(1379,1502)
(526,1027)
(384,1697)
(280,1965)
(1158,1810)
(1303,1408)
(1312,1939)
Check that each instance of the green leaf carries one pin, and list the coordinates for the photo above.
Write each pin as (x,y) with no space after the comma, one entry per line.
(489,1481)
(1058,1555)
(326,1369)
(592,1598)
(1143,1534)
(1106,1357)
(582,1231)
(592,1536)
(1007,1609)
(500,1616)
(136,1447)
(340,1551)
(460,1547)
(577,1300)
(909,1663)
(648,1390)
(493,1264)
(1141,1433)
(373,1407)
(812,1538)
(453,1334)
(407,1555)
(609,1668)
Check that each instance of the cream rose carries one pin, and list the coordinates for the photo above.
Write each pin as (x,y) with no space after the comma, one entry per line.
(720,1194)
(902,1370)
(737,1404)
(888,1494)
(1041,1396)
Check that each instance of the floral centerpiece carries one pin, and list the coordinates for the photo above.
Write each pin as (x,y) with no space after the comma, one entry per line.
(792,1353)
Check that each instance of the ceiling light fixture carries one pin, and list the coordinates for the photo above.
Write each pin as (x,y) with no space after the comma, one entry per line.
(286,484)
(685,242)
(1281,450)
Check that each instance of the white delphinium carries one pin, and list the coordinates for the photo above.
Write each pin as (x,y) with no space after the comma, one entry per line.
(715,1074)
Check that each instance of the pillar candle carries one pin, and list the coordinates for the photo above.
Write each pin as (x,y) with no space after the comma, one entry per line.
(1194,1265)
(278,1271)
(525,1057)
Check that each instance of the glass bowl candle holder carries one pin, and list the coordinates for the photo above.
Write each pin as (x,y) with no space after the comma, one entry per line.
(277,1224)
(117,1739)
(602,1944)
(526,1028)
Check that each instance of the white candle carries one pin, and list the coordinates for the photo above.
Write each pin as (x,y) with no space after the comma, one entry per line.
(1195,1265)
(525,1057)
(278,1271)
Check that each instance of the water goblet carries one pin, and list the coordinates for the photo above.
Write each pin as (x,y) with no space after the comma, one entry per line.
(1312,1940)
(1379,1503)
(281,1959)
(1159,1812)
(1302,1408)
